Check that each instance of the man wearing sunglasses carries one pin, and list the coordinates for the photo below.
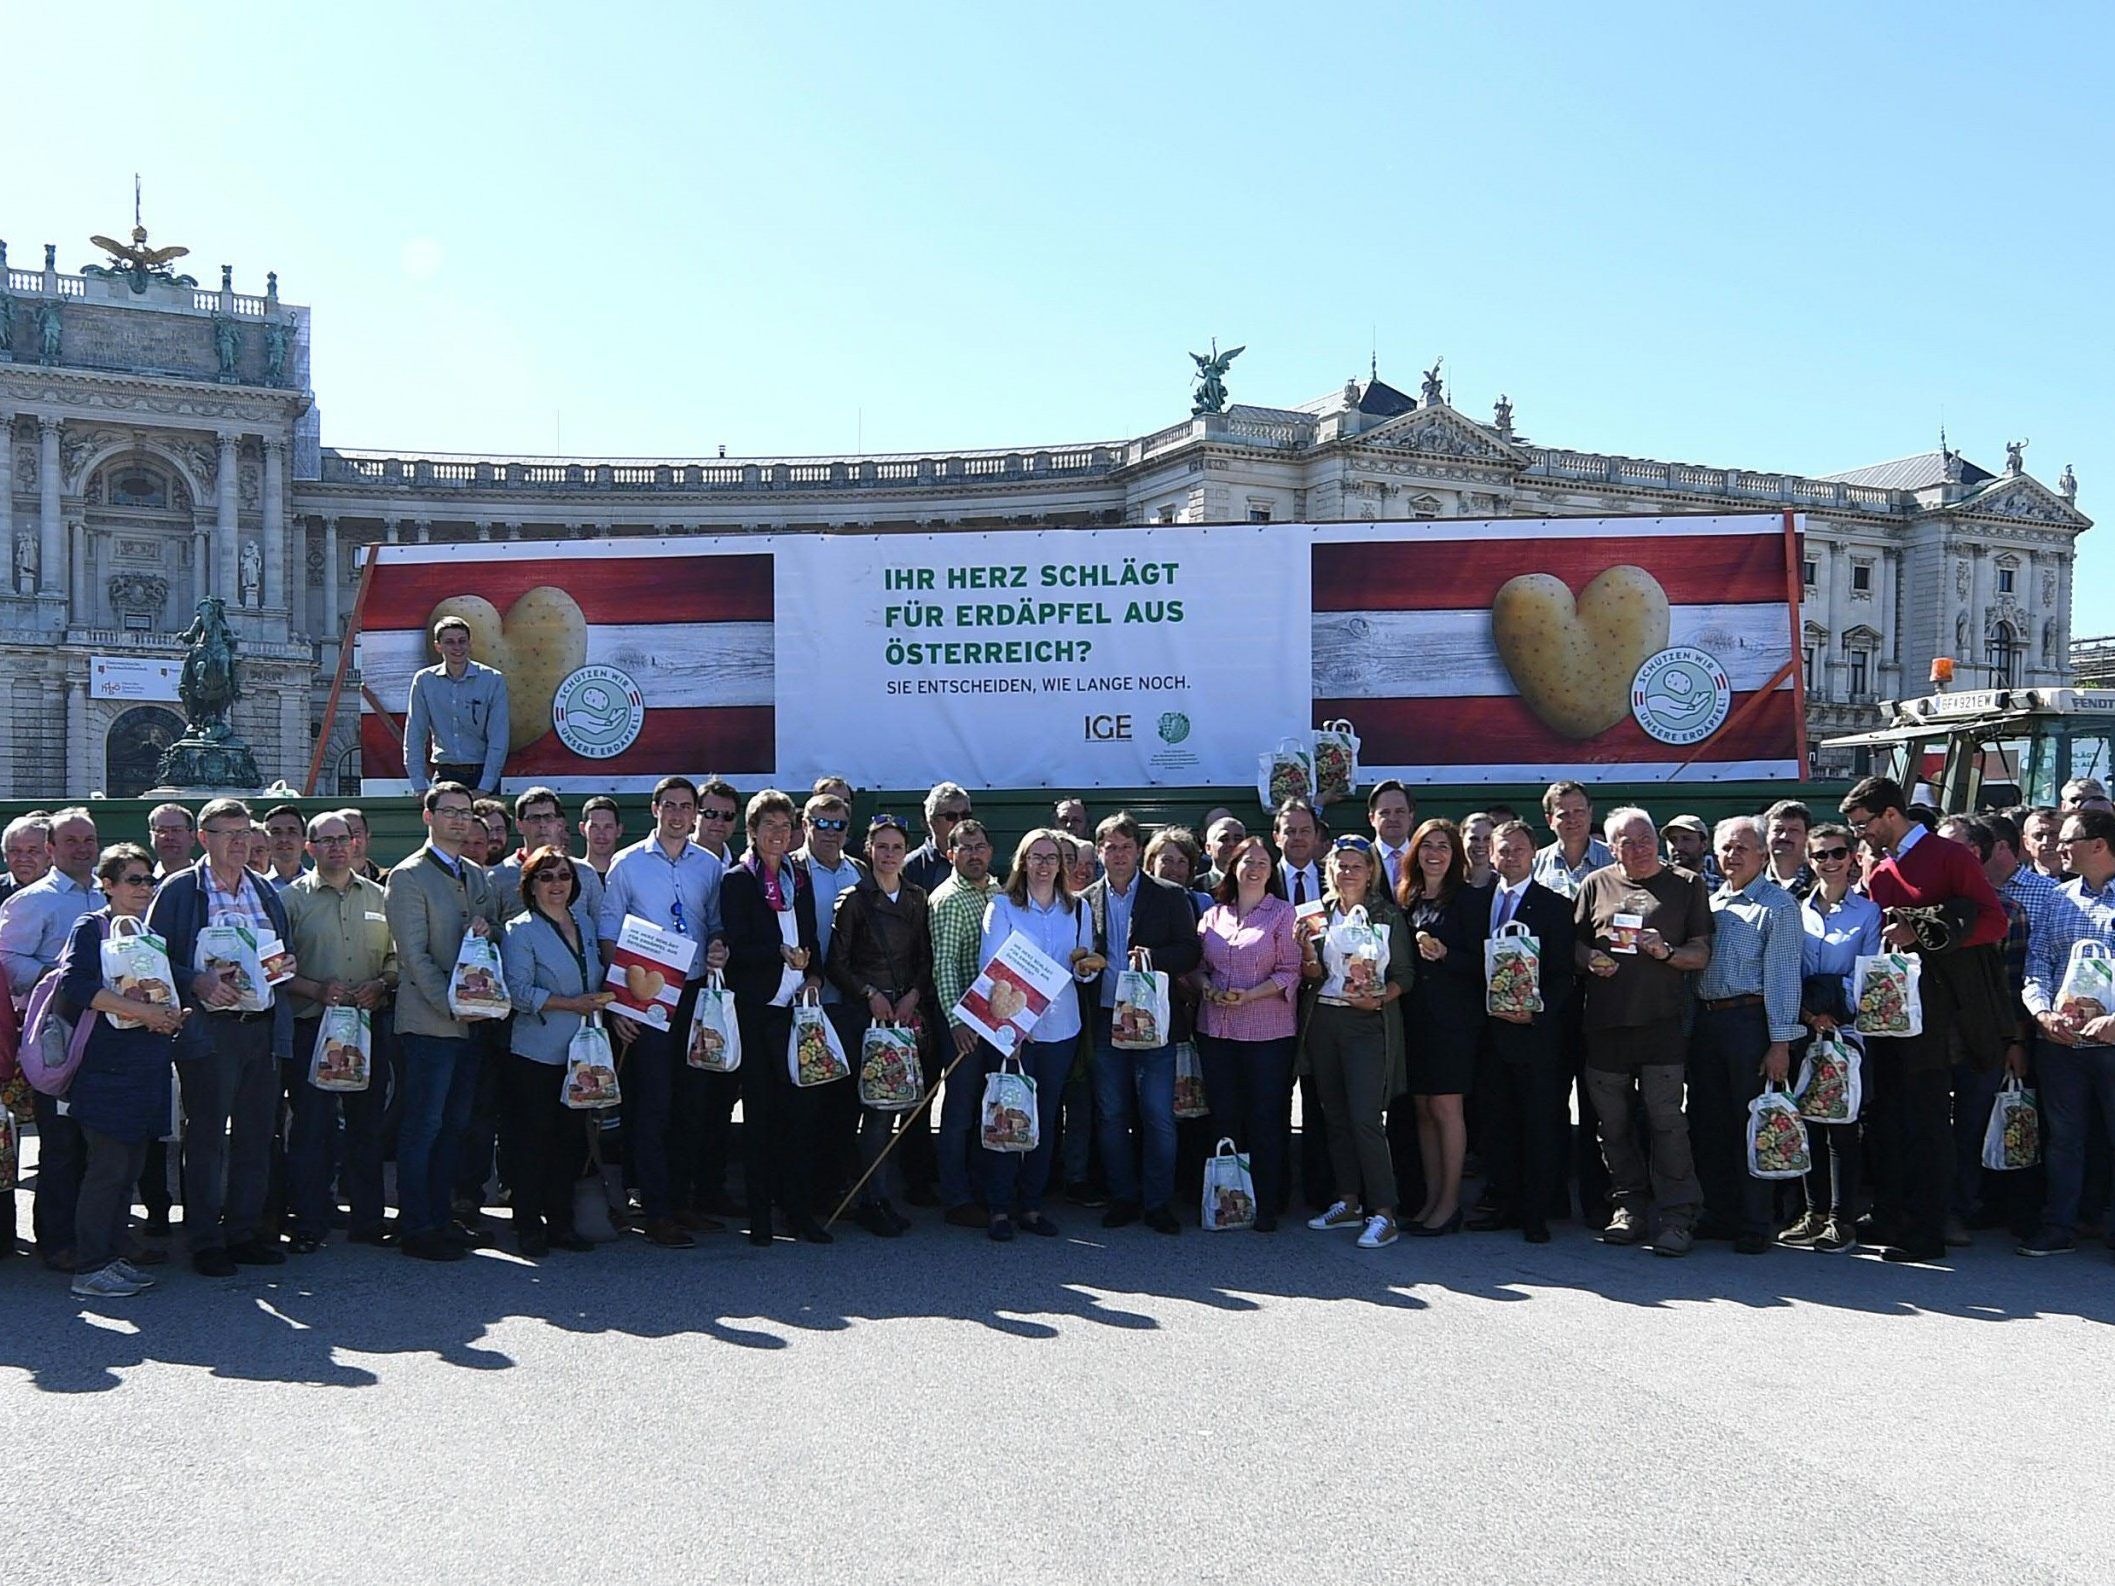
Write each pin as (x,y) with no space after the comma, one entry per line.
(227,1060)
(719,807)
(825,820)
(928,864)
(432,901)
(2074,1060)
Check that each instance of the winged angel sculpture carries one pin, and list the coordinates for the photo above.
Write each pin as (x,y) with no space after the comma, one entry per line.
(1211,378)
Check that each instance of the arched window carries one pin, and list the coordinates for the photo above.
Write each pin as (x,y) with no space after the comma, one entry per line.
(346,774)
(2004,656)
(133,749)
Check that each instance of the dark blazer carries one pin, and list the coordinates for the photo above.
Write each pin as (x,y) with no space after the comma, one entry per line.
(1163,924)
(1548,917)
(749,926)
(1447,997)
(177,915)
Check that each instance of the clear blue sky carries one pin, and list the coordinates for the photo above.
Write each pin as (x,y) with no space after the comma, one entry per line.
(1795,236)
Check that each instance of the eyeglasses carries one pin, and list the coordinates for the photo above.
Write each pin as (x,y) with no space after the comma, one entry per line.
(563,877)
(882,823)
(141,880)
(1819,854)
(454,812)
(824,824)
(331,842)
(1357,845)
(716,815)
(1044,859)
(950,815)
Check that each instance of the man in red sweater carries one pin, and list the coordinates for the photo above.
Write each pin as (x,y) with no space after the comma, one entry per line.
(1912,1076)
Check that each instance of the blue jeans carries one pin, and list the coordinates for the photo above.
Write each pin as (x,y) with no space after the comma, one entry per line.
(1014,1181)
(1249,1087)
(439,1085)
(1135,1091)
(2069,1077)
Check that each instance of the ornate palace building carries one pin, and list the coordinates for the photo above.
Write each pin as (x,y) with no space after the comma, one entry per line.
(159,444)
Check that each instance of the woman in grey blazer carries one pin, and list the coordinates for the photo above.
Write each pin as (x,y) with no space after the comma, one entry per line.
(554,977)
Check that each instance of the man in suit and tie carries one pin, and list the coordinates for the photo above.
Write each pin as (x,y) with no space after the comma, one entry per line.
(1134,1088)
(1298,830)
(1527,1117)
(1391,812)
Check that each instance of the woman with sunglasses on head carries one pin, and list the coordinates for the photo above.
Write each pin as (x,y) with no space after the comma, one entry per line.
(1352,1035)
(1444,1019)
(1246,1027)
(120,1093)
(554,978)
(767,910)
(881,961)
(1037,902)
(1842,925)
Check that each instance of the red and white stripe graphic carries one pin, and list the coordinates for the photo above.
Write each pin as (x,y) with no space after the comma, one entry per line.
(690,620)
(1403,646)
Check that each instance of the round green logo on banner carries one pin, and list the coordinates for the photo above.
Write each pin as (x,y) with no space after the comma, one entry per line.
(1174,726)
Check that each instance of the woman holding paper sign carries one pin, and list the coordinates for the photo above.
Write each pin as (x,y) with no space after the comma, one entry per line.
(767,911)
(554,978)
(1038,903)
(1245,1029)
(120,1093)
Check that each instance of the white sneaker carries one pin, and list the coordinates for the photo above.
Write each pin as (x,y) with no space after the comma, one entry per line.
(1341,1214)
(132,1274)
(1380,1231)
(108,1284)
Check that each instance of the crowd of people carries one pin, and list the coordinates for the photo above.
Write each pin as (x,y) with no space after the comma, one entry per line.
(1658,977)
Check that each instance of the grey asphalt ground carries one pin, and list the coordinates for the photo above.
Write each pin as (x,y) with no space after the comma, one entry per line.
(1102,1407)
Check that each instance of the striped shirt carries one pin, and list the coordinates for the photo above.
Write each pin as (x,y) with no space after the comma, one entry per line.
(1755,950)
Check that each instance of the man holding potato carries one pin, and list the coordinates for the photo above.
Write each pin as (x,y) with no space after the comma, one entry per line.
(1643,929)
(456,727)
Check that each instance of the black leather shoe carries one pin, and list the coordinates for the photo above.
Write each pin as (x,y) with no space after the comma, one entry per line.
(1162,1221)
(303,1245)
(535,1244)
(1041,1226)
(258,1253)
(1492,1220)
(573,1242)
(875,1221)
(1535,1233)
(1750,1245)
(1935,1252)
(431,1247)
(1121,1214)
(213,1264)
(922,1195)
(814,1232)
(370,1236)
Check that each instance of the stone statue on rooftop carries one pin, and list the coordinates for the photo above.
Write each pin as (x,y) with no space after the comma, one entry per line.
(2067,484)
(226,345)
(2015,457)
(1433,393)
(49,331)
(1211,378)
(276,337)
(1502,415)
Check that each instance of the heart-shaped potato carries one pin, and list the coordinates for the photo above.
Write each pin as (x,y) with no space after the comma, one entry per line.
(644,984)
(1573,660)
(540,643)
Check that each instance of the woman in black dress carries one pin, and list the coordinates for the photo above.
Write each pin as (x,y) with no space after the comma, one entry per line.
(1443,1011)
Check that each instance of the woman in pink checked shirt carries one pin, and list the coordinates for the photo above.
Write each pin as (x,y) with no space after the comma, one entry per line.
(1250,974)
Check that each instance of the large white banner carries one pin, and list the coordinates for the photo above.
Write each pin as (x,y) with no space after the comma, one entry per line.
(1134,657)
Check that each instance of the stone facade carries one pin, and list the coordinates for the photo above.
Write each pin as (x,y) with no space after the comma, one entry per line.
(157,459)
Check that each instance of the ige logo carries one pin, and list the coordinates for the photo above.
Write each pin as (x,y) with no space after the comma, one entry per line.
(598,712)
(1106,729)
(1174,726)
(1681,695)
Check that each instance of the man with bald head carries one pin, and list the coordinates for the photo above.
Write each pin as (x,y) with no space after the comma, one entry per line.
(1643,927)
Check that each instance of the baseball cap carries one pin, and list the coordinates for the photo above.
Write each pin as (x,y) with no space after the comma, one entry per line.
(1686,823)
